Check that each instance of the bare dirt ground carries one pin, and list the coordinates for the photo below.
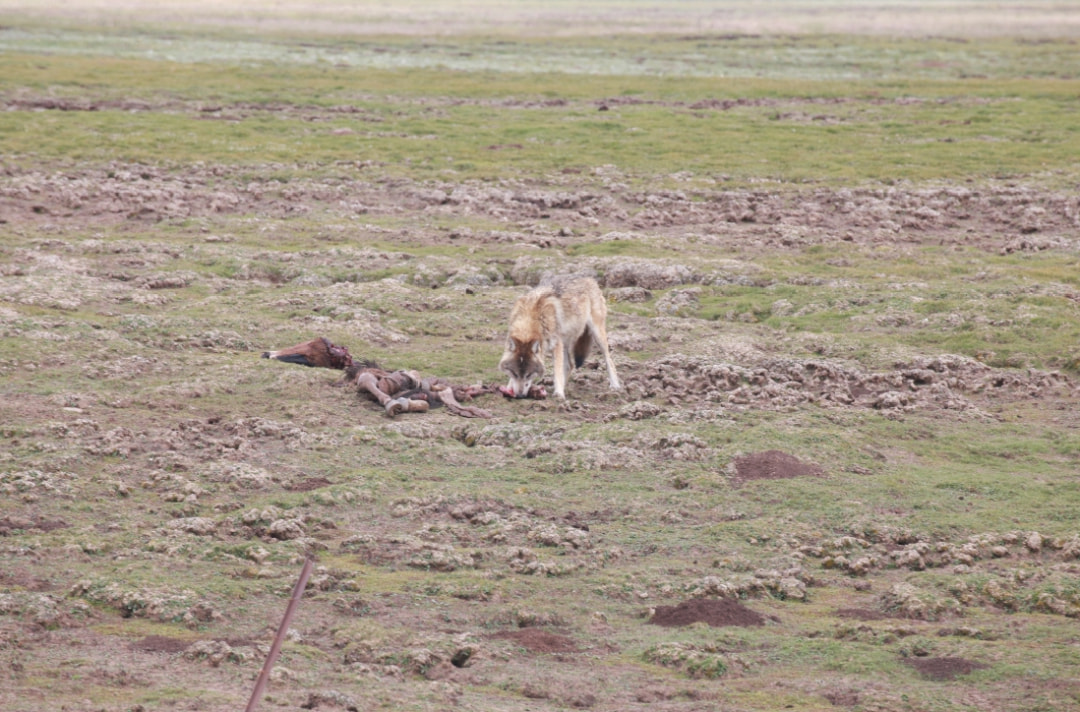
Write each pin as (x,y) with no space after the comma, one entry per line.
(1003,218)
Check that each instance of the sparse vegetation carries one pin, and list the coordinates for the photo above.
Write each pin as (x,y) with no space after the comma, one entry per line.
(842,277)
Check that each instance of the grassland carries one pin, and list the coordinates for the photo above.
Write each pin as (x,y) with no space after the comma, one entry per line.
(852,247)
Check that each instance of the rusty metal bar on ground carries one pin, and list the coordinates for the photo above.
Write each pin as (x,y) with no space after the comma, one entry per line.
(264,676)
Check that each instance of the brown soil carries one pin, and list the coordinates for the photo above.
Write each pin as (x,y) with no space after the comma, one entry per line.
(773,465)
(12,524)
(715,612)
(309,484)
(997,218)
(24,579)
(843,698)
(860,614)
(944,668)
(538,641)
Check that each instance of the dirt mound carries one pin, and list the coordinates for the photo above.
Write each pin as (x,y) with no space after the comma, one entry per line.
(944,668)
(21,578)
(538,641)
(842,698)
(773,465)
(715,612)
(15,524)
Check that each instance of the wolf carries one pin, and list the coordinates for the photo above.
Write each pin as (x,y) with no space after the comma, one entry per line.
(563,317)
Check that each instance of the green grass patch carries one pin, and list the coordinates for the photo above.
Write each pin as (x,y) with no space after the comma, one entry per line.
(921,131)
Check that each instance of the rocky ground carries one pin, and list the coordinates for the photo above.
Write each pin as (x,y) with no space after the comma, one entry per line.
(162,483)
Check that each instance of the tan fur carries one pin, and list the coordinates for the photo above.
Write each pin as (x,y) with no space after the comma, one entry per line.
(564,318)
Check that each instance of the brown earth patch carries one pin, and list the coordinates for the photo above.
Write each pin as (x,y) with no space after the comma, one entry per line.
(538,641)
(1000,218)
(716,612)
(22,579)
(860,614)
(842,698)
(12,524)
(944,668)
(773,465)
(309,484)
(160,644)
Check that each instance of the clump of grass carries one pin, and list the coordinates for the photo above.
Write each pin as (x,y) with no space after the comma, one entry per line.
(694,661)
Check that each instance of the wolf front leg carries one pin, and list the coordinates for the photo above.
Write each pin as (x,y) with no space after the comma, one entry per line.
(561,369)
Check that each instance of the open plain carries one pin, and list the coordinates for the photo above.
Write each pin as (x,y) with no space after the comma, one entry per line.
(840,244)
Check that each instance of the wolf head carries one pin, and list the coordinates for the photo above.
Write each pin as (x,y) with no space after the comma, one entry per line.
(521,361)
